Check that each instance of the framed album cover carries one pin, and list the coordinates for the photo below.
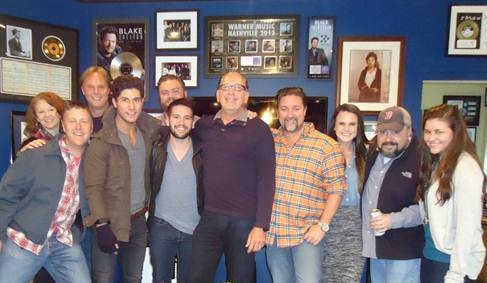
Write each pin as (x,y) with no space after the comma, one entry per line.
(257,45)
(321,32)
(185,67)
(469,106)
(177,30)
(17,136)
(121,47)
(468,30)
(472,133)
(370,72)
(32,51)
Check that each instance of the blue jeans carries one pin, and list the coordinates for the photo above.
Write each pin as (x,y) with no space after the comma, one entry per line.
(434,271)
(64,263)
(166,243)
(131,255)
(392,271)
(218,234)
(300,264)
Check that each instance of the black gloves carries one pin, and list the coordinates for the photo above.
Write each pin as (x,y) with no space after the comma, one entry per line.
(107,242)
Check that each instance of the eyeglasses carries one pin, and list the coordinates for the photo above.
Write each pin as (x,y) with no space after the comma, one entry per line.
(234,87)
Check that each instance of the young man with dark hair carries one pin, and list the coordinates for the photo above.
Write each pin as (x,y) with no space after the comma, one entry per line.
(117,182)
(176,193)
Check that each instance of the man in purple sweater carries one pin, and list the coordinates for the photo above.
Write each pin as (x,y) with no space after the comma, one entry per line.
(238,179)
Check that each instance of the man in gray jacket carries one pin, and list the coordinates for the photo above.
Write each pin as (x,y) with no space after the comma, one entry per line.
(40,197)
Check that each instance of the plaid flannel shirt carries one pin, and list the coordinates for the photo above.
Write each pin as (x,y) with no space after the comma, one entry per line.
(65,214)
(306,173)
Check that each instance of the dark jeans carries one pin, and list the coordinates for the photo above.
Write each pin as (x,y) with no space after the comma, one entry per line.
(131,255)
(435,271)
(218,234)
(167,243)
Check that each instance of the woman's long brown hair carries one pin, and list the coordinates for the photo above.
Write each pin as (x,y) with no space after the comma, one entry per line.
(360,140)
(442,166)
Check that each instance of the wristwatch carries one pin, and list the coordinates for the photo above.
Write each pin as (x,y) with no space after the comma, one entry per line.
(325,227)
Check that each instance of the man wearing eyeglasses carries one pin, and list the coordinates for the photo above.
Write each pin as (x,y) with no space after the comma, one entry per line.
(394,240)
(238,180)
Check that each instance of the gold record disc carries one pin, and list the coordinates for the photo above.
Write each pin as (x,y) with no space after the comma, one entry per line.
(53,48)
(126,63)
(468,30)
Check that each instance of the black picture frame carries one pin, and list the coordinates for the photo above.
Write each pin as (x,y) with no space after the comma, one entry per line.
(319,60)
(48,56)
(253,45)
(17,136)
(132,48)
(469,106)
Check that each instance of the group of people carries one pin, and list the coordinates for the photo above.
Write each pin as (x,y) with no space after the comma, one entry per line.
(226,184)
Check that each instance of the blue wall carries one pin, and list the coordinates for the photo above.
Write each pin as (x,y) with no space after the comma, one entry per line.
(423,23)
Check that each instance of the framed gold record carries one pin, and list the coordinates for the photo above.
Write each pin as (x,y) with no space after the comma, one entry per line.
(467,33)
(53,48)
(468,29)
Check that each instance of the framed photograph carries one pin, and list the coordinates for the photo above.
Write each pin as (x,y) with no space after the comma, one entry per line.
(472,133)
(122,47)
(185,67)
(467,34)
(321,32)
(19,42)
(178,30)
(234,46)
(17,136)
(253,45)
(37,52)
(468,105)
(370,72)
(369,129)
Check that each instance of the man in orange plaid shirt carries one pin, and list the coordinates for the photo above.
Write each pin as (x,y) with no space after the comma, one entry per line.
(310,180)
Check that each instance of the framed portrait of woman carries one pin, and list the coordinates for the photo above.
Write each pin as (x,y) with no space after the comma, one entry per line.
(370,72)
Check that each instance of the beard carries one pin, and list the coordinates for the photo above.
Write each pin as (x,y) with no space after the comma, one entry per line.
(179,135)
(292,125)
(392,154)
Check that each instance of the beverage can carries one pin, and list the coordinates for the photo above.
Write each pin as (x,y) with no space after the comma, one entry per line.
(374,213)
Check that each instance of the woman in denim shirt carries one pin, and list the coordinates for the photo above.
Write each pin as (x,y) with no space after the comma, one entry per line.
(343,261)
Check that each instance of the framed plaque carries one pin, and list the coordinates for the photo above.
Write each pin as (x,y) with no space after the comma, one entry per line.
(258,45)
(469,106)
(319,56)
(467,34)
(121,48)
(37,57)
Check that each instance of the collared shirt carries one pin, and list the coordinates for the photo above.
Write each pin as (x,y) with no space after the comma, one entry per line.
(67,208)
(352,195)
(306,173)
(243,117)
(370,199)
(240,178)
